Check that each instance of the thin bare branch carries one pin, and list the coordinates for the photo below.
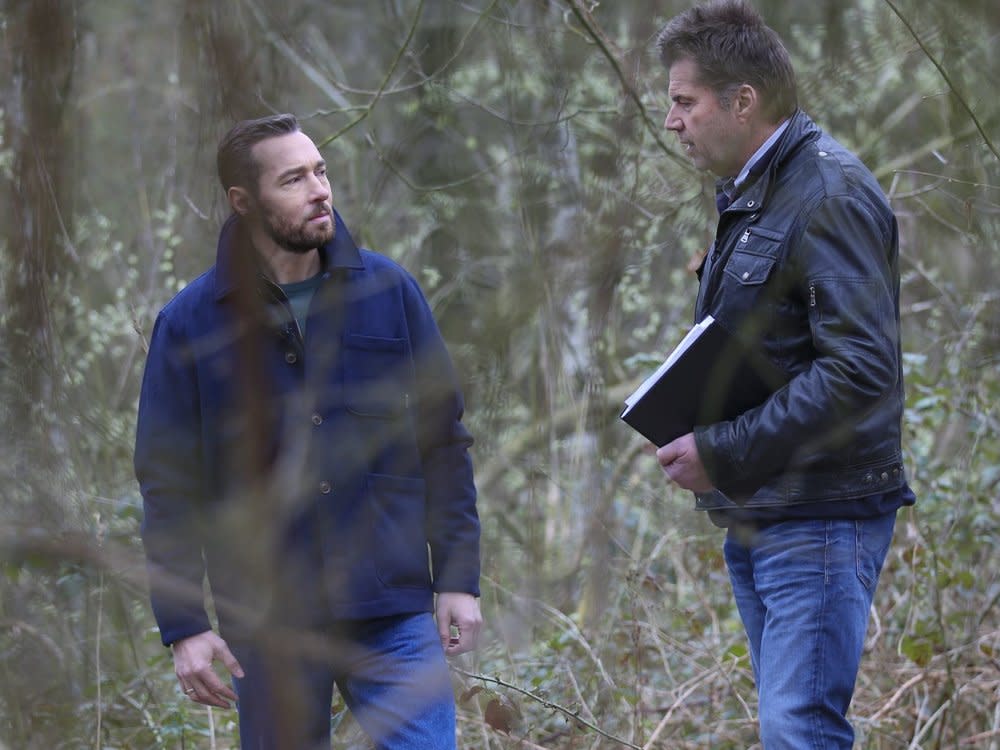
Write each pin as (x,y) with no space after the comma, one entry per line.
(572,715)
(385,81)
(595,32)
(947,79)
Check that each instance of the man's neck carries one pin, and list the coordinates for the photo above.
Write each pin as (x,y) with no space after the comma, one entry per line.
(763,136)
(280,265)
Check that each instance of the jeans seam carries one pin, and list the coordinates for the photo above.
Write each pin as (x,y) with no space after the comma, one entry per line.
(820,662)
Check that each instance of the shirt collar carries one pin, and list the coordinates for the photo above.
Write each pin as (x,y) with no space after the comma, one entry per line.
(759,154)
(340,252)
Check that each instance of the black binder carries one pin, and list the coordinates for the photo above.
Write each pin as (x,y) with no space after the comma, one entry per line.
(710,376)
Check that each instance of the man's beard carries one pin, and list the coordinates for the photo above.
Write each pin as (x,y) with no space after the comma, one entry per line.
(296,238)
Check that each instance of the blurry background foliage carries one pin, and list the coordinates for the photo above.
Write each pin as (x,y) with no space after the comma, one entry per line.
(510,153)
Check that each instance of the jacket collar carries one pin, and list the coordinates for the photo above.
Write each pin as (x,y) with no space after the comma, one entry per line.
(234,247)
(801,130)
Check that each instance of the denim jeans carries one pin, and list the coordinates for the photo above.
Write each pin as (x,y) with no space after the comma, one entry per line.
(804,590)
(391,673)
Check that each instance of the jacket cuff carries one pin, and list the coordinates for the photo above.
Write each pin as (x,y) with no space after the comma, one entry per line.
(726,470)
(460,584)
(178,631)
(714,457)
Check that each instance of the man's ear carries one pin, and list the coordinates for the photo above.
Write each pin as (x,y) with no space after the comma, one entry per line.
(240,200)
(746,102)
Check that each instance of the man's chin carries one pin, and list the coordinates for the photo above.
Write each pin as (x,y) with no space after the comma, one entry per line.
(308,241)
(324,236)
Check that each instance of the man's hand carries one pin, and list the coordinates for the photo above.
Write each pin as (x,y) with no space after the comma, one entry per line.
(681,462)
(458,621)
(193,659)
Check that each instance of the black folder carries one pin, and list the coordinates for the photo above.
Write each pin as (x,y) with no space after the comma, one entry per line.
(710,376)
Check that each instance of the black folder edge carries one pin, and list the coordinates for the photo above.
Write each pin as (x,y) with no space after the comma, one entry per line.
(679,395)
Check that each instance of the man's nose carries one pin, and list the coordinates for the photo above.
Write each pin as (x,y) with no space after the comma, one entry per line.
(672,121)
(319,189)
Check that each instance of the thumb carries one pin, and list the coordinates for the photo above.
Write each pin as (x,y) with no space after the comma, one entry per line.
(443,616)
(444,628)
(226,657)
(668,453)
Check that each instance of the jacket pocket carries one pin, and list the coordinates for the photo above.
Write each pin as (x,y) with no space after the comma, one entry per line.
(376,375)
(399,540)
(749,269)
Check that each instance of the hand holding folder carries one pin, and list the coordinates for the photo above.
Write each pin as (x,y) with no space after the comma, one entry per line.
(710,376)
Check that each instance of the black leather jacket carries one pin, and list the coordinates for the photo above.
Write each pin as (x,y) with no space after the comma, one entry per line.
(806,265)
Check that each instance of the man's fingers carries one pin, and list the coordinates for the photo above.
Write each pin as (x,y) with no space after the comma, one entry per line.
(227,658)
(218,689)
(444,629)
(468,641)
(467,632)
(204,686)
(211,693)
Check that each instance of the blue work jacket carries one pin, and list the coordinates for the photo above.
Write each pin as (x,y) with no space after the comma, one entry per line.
(315,476)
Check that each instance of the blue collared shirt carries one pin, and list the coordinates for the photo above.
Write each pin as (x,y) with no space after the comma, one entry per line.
(728,188)
(759,154)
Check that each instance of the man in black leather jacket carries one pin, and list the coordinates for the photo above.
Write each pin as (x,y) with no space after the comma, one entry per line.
(804,269)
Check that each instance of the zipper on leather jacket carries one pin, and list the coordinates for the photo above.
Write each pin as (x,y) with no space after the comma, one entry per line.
(812,295)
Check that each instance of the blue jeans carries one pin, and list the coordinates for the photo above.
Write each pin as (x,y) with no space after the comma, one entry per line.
(804,590)
(391,673)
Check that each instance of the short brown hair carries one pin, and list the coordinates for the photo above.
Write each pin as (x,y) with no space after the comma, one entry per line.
(731,45)
(234,159)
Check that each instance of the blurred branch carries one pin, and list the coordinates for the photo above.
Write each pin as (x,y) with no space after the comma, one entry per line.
(385,81)
(693,685)
(34,546)
(19,626)
(531,436)
(309,70)
(98,677)
(950,180)
(571,715)
(925,148)
(946,77)
(595,32)
(384,158)
(424,77)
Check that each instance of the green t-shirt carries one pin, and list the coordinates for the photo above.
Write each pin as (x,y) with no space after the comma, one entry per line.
(300,294)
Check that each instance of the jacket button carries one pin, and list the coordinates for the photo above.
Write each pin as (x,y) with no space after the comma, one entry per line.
(291,358)
(317,420)
(885,476)
(325,487)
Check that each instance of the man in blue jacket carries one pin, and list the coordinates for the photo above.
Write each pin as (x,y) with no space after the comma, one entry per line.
(805,269)
(300,443)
